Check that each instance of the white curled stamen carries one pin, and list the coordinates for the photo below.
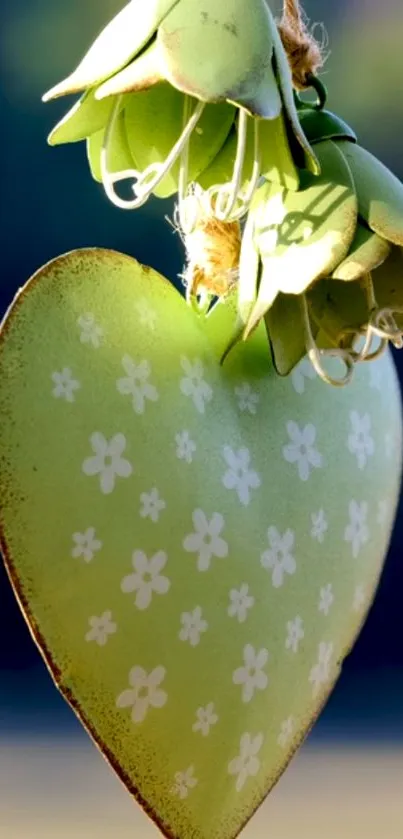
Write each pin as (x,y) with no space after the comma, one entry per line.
(145,182)
(316,355)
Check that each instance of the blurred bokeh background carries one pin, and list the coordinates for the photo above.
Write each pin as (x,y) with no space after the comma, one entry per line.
(348,780)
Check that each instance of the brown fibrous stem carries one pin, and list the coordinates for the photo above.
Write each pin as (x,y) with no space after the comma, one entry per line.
(306,55)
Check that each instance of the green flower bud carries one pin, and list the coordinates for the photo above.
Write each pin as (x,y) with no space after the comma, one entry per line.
(168,83)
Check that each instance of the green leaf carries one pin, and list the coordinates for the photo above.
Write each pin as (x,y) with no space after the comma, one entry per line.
(380,193)
(367,252)
(338,308)
(119,156)
(163,106)
(286,331)
(86,117)
(118,43)
(277,164)
(319,125)
(302,236)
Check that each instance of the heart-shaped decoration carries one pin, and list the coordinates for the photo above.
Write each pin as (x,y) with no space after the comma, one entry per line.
(195,547)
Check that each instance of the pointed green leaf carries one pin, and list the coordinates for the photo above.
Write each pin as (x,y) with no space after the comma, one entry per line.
(277,164)
(118,43)
(86,117)
(367,252)
(302,236)
(380,193)
(319,124)
(218,52)
(338,308)
(284,77)
(140,74)
(286,331)
(388,284)
(119,157)
(163,106)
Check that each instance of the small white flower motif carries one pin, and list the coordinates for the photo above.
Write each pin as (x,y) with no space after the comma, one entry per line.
(302,371)
(184,782)
(64,385)
(185,446)
(240,603)
(389,445)
(91,333)
(320,673)
(246,764)
(193,624)
(319,526)
(239,476)
(194,385)
(101,628)
(326,599)
(279,558)
(147,578)
(86,545)
(136,384)
(383,512)
(360,442)
(301,450)
(357,532)
(286,732)
(206,540)
(295,634)
(248,399)
(152,505)
(147,316)
(144,693)
(251,675)
(205,719)
(359,598)
(107,462)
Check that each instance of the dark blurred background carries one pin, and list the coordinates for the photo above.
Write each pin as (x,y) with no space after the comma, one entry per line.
(49,205)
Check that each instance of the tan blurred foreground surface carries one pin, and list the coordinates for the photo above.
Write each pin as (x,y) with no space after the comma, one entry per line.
(61,789)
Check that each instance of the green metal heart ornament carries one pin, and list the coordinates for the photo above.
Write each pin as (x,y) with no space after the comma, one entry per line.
(195,545)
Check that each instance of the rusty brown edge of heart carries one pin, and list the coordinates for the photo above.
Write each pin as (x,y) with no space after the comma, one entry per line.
(40,642)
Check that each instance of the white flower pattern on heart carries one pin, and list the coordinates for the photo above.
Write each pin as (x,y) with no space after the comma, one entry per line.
(360,442)
(86,545)
(184,782)
(319,526)
(286,732)
(146,314)
(359,598)
(136,384)
(64,385)
(246,764)
(295,634)
(152,505)
(248,399)
(193,384)
(91,332)
(240,603)
(193,625)
(356,532)
(107,461)
(301,450)
(206,539)
(251,675)
(206,718)
(320,673)
(101,628)
(279,558)
(326,599)
(145,692)
(185,446)
(300,373)
(147,578)
(239,475)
